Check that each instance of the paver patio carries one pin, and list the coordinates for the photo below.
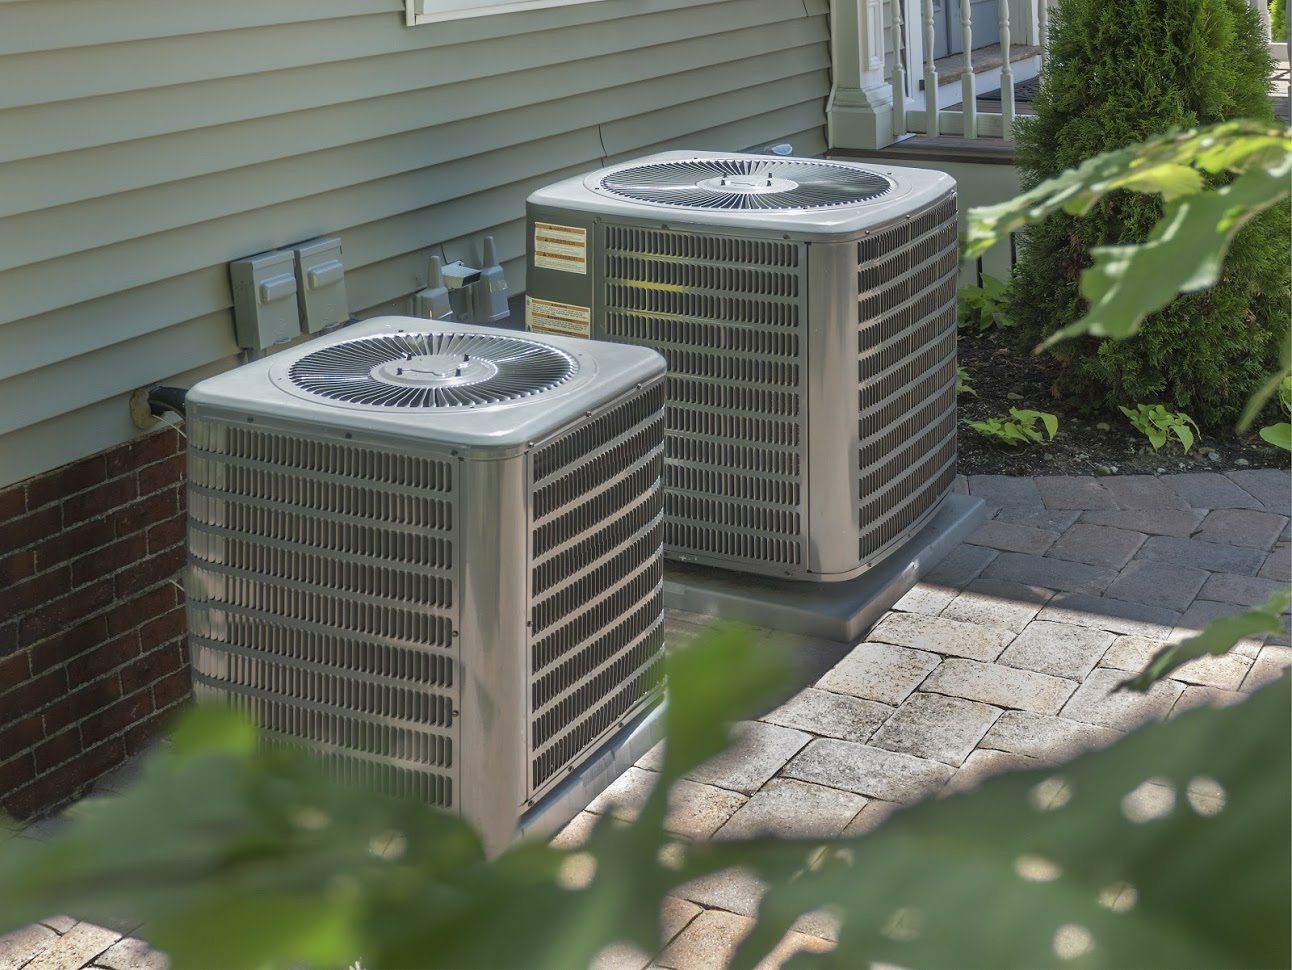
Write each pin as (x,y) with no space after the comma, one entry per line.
(1002,658)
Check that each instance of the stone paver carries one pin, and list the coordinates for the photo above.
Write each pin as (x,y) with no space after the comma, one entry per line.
(1242,527)
(1269,666)
(1212,556)
(132,953)
(1005,490)
(1158,584)
(695,810)
(75,948)
(1058,649)
(1278,566)
(1044,737)
(1271,486)
(926,598)
(865,770)
(993,603)
(793,810)
(1000,686)
(1156,522)
(1142,492)
(987,763)
(1007,537)
(1057,574)
(1037,517)
(1223,672)
(1115,616)
(709,941)
(830,714)
(19,947)
(1097,702)
(1242,590)
(1074,492)
(962,565)
(936,635)
(756,753)
(869,818)
(1197,696)
(1210,490)
(1098,545)
(1202,612)
(935,726)
(880,672)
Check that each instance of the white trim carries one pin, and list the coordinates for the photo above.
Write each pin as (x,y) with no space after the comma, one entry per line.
(438,11)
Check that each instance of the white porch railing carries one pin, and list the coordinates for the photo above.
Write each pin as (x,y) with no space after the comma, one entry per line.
(888,83)
(929,111)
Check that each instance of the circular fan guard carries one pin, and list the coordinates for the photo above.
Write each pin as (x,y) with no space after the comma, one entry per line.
(432,370)
(746,184)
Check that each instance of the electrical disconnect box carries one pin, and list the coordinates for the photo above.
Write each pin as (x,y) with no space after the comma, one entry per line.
(320,284)
(265,311)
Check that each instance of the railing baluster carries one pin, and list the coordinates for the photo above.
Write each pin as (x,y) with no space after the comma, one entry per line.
(968,92)
(899,70)
(930,71)
(1042,26)
(1006,75)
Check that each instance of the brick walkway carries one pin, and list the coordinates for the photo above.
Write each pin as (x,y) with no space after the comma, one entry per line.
(1002,658)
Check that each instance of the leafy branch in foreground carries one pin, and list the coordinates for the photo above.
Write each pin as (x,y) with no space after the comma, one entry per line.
(1187,247)
(1167,849)
(1219,637)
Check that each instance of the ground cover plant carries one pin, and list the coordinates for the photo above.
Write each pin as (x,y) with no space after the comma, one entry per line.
(1159,425)
(1117,73)
(1022,427)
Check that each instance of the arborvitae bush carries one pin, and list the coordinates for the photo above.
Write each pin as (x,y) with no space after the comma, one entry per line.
(1279,21)
(1120,71)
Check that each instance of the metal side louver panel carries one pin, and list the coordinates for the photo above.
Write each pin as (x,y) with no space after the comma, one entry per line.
(596,582)
(906,345)
(323,599)
(728,315)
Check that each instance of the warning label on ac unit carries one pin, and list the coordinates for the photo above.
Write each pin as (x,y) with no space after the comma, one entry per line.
(562,319)
(561,247)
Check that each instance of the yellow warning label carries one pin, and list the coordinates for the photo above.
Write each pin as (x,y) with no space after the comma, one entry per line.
(562,319)
(561,247)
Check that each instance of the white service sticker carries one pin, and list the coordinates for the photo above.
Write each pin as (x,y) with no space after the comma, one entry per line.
(561,247)
(561,319)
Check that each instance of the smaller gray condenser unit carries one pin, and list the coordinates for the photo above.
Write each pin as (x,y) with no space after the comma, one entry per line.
(807,312)
(431,553)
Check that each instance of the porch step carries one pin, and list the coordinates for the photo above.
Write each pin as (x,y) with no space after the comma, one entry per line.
(942,148)
(952,67)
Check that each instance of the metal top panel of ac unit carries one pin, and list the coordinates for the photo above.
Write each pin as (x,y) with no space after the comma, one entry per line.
(447,383)
(799,197)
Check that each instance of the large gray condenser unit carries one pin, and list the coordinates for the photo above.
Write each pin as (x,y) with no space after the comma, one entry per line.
(807,312)
(432,553)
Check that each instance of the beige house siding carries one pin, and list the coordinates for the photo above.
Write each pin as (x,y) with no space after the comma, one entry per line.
(146,143)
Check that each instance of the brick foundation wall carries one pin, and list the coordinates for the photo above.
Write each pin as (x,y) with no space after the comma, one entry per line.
(93,658)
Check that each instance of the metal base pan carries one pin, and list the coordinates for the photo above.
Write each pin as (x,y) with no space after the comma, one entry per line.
(836,611)
(576,793)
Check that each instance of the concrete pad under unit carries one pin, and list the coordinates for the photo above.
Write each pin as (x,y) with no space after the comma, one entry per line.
(836,611)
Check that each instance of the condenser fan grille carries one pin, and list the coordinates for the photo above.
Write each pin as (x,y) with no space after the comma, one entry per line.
(432,370)
(746,184)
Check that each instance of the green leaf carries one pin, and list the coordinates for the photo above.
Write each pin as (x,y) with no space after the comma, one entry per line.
(1219,637)
(1279,435)
(1167,850)
(1185,435)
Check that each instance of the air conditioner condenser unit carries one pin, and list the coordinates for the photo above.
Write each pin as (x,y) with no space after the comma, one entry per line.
(431,553)
(807,312)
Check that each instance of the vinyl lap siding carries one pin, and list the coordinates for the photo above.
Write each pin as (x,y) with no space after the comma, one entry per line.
(145,146)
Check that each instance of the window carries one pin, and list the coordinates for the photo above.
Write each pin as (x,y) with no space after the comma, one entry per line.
(437,11)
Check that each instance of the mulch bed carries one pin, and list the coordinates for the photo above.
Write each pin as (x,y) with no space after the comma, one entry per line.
(1088,442)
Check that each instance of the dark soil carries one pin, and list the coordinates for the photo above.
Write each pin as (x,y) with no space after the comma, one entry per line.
(1089,442)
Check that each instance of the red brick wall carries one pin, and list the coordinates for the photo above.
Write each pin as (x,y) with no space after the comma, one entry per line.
(93,658)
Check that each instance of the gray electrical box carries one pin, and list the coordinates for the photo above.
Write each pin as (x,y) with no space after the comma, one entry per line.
(264,299)
(320,281)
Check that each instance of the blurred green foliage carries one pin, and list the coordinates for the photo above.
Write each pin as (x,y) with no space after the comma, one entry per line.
(241,857)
